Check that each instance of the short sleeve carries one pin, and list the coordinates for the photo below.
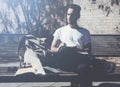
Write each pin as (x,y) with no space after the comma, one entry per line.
(57,34)
(87,37)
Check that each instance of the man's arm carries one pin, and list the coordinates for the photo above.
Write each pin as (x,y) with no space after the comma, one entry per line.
(87,48)
(54,48)
(56,44)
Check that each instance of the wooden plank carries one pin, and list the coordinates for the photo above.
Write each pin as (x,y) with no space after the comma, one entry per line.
(30,77)
(106,45)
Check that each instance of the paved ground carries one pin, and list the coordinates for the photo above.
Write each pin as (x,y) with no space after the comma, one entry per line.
(52,84)
(55,84)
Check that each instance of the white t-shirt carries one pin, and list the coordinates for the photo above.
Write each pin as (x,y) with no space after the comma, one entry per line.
(73,37)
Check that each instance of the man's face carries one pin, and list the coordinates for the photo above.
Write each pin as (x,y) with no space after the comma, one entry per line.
(71,16)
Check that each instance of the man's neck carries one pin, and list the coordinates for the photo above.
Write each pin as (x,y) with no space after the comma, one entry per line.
(74,26)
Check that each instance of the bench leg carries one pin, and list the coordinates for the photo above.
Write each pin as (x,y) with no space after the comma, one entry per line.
(74,84)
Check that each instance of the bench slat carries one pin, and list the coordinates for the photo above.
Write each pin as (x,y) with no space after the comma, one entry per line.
(106,45)
(56,78)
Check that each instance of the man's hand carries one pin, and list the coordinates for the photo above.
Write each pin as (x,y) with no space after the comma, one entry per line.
(61,45)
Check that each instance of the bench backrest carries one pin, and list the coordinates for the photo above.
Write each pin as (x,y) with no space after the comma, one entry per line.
(102,45)
(106,45)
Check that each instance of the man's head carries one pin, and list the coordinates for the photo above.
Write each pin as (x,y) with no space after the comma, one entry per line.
(73,13)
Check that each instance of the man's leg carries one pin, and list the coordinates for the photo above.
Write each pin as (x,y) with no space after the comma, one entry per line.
(84,74)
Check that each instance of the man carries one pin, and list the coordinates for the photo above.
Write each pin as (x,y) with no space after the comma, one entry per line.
(77,43)
(72,35)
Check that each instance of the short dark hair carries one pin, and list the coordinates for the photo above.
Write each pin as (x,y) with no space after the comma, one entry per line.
(76,8)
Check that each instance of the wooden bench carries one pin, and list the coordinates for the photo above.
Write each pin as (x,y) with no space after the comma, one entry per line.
(102,46)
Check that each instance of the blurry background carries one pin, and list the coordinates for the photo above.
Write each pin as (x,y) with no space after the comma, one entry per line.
(100,16)
(32,16)
(36,16)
